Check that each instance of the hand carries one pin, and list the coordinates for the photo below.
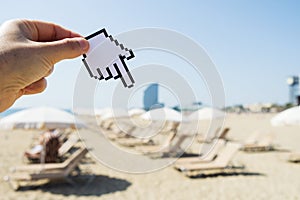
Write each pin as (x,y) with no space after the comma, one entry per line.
(28,51)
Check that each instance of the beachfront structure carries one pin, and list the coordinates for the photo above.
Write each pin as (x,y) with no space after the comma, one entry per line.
(151,97)
(294,86)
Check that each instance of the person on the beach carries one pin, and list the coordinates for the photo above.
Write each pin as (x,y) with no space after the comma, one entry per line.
(47,149)
(28,51)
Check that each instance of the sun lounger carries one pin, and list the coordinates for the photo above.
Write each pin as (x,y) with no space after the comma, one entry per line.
(68,144)
(49,171)
(132,142)
(222,135)
(136,141)
(175,147)
(157,148)
(106,124)
(141,136)
(294,157)
(46,151)
(261,142)
(118,132)
(171,146)
(188,128)
(36,154)
(218,165)
(211,155)
(253,138)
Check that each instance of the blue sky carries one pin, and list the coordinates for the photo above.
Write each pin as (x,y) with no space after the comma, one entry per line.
(255,45)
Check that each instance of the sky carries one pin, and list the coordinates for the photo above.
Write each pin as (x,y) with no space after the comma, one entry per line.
(254,45)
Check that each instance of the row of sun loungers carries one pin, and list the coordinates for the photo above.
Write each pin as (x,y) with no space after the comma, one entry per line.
(217,160)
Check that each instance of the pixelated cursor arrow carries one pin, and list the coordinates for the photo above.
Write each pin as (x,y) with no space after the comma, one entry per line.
(106,58)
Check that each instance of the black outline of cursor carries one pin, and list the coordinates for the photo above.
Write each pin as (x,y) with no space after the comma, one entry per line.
(121,57)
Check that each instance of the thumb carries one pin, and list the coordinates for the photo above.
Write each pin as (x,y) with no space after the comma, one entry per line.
(64,49)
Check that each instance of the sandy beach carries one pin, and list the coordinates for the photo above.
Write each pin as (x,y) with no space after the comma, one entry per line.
(267,175)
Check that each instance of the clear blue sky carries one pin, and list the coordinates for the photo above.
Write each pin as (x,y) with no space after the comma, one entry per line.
(254,44)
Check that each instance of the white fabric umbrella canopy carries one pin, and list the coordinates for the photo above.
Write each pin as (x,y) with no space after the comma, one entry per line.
(39,118)
(290,116)
(102,111)
(162,114)
(83,111)
(136,111)
(114,113)
(206,114)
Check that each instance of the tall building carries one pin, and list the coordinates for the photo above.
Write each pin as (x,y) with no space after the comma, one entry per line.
(151,97)
(294,86)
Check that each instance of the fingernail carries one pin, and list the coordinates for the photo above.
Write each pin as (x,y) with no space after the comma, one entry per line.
(84,44)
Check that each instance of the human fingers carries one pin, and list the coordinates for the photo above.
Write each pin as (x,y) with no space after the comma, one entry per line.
(8,100)
(63,49)
(49,72)
(45,31)
(36,87)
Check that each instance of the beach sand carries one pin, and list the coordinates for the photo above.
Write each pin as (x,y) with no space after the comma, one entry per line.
(267,175)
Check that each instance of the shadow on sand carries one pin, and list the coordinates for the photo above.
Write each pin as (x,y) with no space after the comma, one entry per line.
(84,185)
(227,174)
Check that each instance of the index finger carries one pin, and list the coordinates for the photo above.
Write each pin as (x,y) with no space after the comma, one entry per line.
(46,31)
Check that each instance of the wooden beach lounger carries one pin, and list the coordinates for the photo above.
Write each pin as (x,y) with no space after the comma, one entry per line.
(212,154)
(171,146)
(294,157)
(259,143)
(157,148)
(68,144)
(218,165)
(46,151)
(144,132)
(51,150)
(132,141)
(49,171)
(222,135)
(118,133)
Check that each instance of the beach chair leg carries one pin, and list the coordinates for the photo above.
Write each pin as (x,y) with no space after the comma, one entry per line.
(70,181)
(89,181)
(13,184)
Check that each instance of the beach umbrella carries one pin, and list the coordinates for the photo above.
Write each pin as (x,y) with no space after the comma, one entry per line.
(136,111)
(102,111)
(40,118)
(84,111)
(163,114)
(92,112)
(206,114)
(114,113)
(290,116)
